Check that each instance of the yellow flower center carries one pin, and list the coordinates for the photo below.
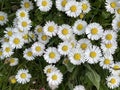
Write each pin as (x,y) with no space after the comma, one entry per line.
(26,4)
(23,75)
(94,31)
(52,55)
(106,61)
(33,36)
(50,28)
(84,6)
(93,54)
(118,11)
(113,4)
(80,27)
(44,3)
(65,61)
(6,40)
(38,48)
(77,56)
(9,33)
(73,44)
(73,8)
(49,70)
(13,80)
(25,36)
(83,46)
(24,24)
(113,80)
(81,15)
(16,41)
(63,3)
(118,24)
(1,53)
(116,67)
(108,37)
(12,60)
(2,18)
(29,53)
(22,14)
(7,49)
(65,31)
(39,30)
(109,45)
(54,77)
(44,37)
(65,48)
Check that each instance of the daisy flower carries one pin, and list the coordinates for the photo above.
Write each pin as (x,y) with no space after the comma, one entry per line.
(38,29)
(73,9)
(79,87)
(64,48)
(50,28)
(52,55)
(43,38)
(3,18)
(116,24)
(85,6)
(113,81)
(23,76)
(32,36)
(12,79)
(44,5)
(4,39)
(28,54)
(76,56)
(25,37)
(117,11)
(60,4)
(27,5)
(73,41)
(94,31)
(79,27)
(64,32)
(109,36)
(55,78)
(1,54)
(22,13)
(93,54)
(13,61)
(83,44)
(16,41)
(9,31)
(52,86)
(37,49)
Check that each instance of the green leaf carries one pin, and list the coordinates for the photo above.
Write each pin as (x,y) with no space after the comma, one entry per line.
(70,67)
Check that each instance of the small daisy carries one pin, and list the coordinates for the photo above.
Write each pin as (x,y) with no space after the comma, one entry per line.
(49,69)
(94,31)
(73,41)
(38,29)
(76,56)
(55,78)
(106,61)
(60,4)
(51,55)
(28,54)
(12,79)
(25,37)
(32,36)
(1,54)
(16,41)
(37,49)
(93,54)
(44,5)
(50,28)
(109,36)
(116,24)
(79,27)
(9,32)
(83,44)
(27,5)
(43,38)
(72,9)
(85,6)
(64,32)
(24,24)
(23,76)
(3,18)
(4,39)
(22,13)
(64,48)
(79,87)
(52,86)
(117,11)
(113,81)
(13,61)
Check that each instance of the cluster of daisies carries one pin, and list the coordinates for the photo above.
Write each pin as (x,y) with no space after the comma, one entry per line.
(76,51)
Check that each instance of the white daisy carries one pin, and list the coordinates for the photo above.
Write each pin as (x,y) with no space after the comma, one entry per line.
(1,54)
(38,29)
(117,11)
(28,54)
(52,86)
(12,79)
(109,36)
(44,5)
(64,48)
(76,56)
(27,5)
(94,31)
(73,9)
(93,54)
(51,55)
(13,61)
(113,81)
(16,41)
(79,27)
(9,31)
(85,6)
(64,32)
(37,49)
(3,18)
(23,76)
(79,87)
(32,36)
(116,24)
(22,13)
(55,78)
(4,39)
(25,37)
(50,28)
(43,38)
(83,44)
(73,41)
